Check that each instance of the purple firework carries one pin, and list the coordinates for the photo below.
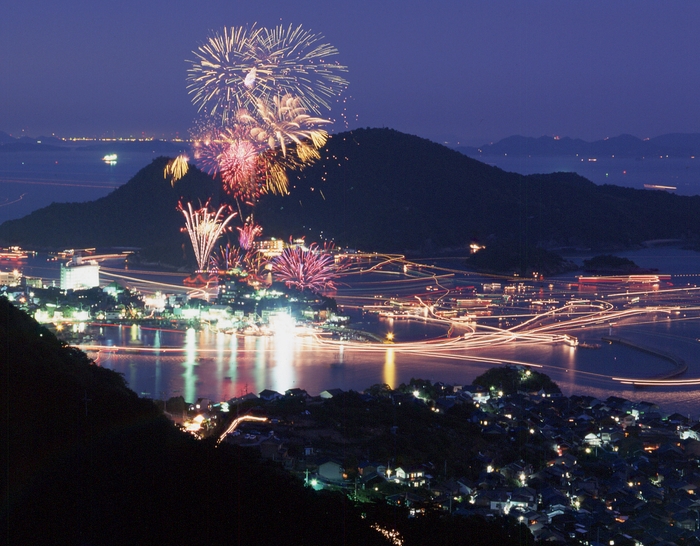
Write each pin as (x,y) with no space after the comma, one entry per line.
(306,269)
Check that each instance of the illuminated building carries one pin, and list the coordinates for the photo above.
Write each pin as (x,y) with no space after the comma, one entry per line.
(269,247)
(10,278)
(79,275)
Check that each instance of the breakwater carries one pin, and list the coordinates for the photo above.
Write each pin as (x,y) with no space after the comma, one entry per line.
(679,365)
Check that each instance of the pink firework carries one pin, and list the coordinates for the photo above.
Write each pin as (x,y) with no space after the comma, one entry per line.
(306,269)
(238,163)
(248,233)
(234,157)
(228,257)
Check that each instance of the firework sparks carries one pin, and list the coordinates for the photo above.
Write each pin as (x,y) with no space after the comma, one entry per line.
(204,228)
(255,88)
(309,269)
(221,66)
(238,167)
(284,122)
(228,258)
(248,233)
(176,168)
(231,70)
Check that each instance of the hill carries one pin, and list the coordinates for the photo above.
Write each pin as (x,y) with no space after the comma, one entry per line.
(381,190)
(91,463)
(141,213)
(378,189)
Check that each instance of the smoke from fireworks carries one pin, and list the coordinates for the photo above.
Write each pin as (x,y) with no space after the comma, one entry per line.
(309,269)
(204,228)
(232,70)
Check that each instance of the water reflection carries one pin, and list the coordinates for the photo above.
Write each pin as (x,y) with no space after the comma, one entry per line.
(188,375)
(158,380)
(389,374)
(221,366)
(232,376)
(135,334)
(258,347)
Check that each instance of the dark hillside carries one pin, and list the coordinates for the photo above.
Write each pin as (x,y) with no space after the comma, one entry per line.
(142,212)
(381,190)
(85,461)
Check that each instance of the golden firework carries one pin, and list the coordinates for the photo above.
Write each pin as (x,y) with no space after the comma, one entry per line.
(176,168)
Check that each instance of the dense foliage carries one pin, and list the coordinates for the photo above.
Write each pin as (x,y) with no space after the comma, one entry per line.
(608,262)
(510,380)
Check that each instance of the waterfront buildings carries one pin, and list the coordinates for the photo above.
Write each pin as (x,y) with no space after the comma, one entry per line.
(79,274)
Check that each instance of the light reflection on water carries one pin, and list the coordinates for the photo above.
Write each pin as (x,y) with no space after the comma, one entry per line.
(221,366)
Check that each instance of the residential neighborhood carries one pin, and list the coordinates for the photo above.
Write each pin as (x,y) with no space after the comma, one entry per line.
(573,469)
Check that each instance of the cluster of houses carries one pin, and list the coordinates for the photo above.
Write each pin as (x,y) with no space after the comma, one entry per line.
(600,472)
(243,309)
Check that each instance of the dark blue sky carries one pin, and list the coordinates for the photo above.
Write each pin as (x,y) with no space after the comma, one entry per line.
(448,70)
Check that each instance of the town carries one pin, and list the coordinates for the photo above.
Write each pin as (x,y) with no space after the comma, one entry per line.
(573,469)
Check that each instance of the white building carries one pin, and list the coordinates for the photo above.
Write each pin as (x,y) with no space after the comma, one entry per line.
(79,275)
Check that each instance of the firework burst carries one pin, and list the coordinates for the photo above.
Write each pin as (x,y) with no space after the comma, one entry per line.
(176,168)
(222,70)
(227,258)
(238,166)
(204,228)
(285,121)
(306,269)
(231,70)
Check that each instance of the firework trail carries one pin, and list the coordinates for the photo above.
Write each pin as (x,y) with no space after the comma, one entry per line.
(248,233)
(306,269)
(204,228)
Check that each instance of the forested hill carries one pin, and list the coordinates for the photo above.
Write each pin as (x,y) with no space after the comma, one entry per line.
(141,213)
(88,462)
(381,190)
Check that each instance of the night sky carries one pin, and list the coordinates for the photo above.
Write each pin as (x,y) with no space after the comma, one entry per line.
(453,71)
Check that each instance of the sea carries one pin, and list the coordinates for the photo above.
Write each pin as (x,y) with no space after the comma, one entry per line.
(682,174)
(202,363)
(31,180)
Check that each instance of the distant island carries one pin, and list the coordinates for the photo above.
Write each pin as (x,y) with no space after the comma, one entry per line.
(671,145)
